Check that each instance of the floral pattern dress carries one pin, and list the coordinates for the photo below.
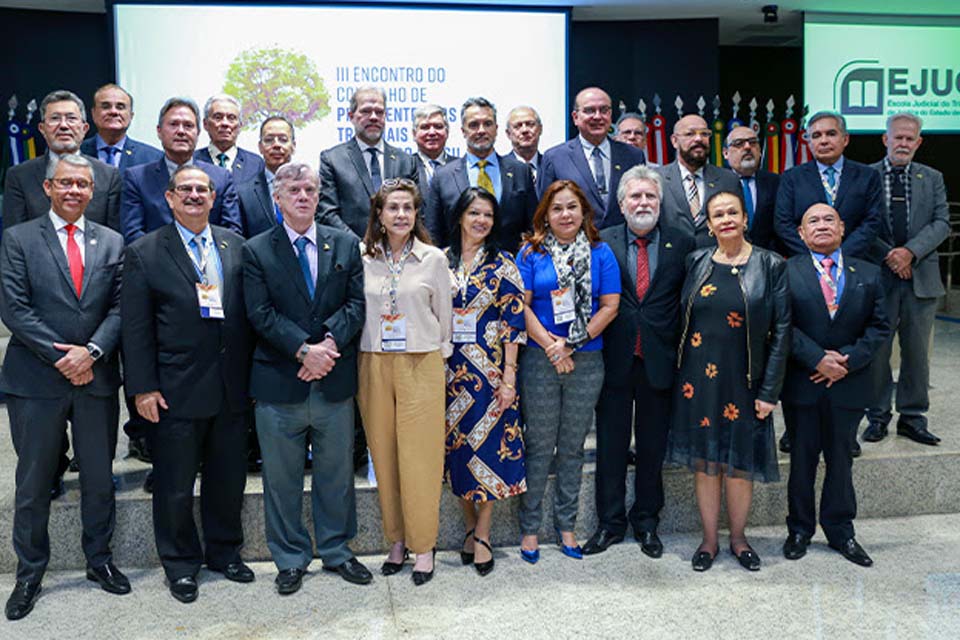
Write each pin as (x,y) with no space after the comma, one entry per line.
(484,451)
(715,427)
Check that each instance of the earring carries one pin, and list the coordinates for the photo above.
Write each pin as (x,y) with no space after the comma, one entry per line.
(710,232)
(383,229)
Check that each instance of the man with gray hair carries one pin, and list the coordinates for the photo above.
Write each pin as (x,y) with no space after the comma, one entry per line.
(63,124)
(741,149)
(639,352)
(631,129)
(430,131)
(916,220)
(222,120)
(352,171)
(524,128)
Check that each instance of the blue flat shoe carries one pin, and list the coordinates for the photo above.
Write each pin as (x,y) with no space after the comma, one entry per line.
(575,552)
(530,556)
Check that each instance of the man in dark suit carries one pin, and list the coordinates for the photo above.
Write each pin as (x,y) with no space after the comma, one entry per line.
(303,286)
(592,159)
(60,297)
(278,143)
(839,324)
(222,122)
(143,204)
(639,355)
(430,132)
(916,220)
(63,123)
(507,179)
(351,172)
(742,152)
(690,180)
(112,113)
(852,188)
(524,128)
(631,129)
(187,347)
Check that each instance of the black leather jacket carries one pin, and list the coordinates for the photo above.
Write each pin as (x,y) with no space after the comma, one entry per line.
(763,282)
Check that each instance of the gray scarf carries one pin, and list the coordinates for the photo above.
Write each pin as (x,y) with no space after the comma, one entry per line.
(572,264)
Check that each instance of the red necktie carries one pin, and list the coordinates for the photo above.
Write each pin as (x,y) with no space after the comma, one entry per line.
(74,259)
(643,282)
(826,286)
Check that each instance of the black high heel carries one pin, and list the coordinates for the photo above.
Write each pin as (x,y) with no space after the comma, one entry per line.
(423,577)
(483,568)
(389,568)
(465,556)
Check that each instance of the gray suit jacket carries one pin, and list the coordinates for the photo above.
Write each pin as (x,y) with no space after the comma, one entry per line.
(40,306)
(24,199)
(675,208)
(345,185)
(929,225)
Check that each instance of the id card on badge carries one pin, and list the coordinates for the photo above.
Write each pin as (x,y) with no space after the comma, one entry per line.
(393,332)
(563,308)
(464,325)
(208,297)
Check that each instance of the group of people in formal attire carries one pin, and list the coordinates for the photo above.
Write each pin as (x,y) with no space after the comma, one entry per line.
(476,315)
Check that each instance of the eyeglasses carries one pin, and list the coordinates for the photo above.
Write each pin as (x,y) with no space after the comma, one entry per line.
(71,119)
(590,111)
(187,189)
(392,183)
(269,140)
(67,183)
(294,191)
(744,142)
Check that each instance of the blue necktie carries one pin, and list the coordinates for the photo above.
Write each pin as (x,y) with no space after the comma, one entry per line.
(375,176)
(748,201)
(301,245)
(110,153)
(832,182)
(598,173)
(276,209)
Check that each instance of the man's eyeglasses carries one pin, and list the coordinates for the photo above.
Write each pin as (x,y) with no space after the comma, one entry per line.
(186,189)
(745,142)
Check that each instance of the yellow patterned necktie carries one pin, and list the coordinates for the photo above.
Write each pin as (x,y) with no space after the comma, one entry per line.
(483,179)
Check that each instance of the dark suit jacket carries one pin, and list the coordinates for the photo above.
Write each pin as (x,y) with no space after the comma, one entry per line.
(256,208)
(656,316)
(762,233)
(283,315)
(857,329)
(422,172)
(39,304)
(24,199)
(345,186)
(538,161)
(143,207)
(675,207)
(567,162)
(246,166)
(134,152)
(859,202)
(518,201)
(201,366)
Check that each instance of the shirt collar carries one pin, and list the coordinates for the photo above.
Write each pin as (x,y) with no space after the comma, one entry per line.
(492,160)
(589,146)
(59,223)
(888,167)
(440,159)
(186,235)
(101,144)
(653,235)
(684,172)
(173,166)
(364,146)
(820,256)
(311,233)
(838,165)
(231,154)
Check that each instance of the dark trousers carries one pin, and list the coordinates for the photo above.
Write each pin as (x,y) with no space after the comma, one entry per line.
(217,448)
(622,403)
(38,426)
(825,428)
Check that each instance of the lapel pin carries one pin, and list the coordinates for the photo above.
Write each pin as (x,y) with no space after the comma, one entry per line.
(129,153)
(669,245)
(711,185)
(223,244)
(93,241)
(919,175)
(393,157)
(617,167)
(509,175)
(326,247)
(852,269)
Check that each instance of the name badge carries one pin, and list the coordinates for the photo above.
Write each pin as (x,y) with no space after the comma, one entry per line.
(208,297)
(563,309)
(464,325)
(393,332)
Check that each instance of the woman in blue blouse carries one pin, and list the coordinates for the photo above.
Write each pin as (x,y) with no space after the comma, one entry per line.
(572,292)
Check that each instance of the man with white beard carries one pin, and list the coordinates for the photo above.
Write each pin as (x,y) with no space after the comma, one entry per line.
(741,150)
(639,351)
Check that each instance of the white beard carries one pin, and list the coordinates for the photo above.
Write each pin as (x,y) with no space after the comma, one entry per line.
(641,222)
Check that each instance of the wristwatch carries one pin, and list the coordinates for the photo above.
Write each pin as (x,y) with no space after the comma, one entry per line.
(302,352)
(95,352)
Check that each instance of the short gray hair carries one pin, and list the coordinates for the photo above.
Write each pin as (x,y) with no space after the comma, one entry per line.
(822,115)
(905,115)
(172,182)
(76,160)
(630,115)
(62,95)
(524,107)
(220,97)
(178,101)
(428,111)
(293,171)
(366,88)
(639,172)
(477,102)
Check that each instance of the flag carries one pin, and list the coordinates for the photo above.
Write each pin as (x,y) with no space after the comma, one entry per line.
(771,147)
(788,144)
(657,140)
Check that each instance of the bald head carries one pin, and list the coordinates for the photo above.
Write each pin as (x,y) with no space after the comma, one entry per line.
(691,139)
(821,228)
(593,114)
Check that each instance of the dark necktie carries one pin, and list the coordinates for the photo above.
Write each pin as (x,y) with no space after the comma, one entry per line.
(598,172)
(375,176)
(74,259)
(222,160)
(643,282)
(434,165)
(110,153)
(301,245)
(748,201)
(898,206)
(831,182)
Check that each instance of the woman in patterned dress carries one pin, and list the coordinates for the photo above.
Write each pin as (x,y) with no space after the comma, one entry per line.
(484,443)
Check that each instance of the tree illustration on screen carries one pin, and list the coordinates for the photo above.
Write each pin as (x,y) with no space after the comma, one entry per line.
(270,82)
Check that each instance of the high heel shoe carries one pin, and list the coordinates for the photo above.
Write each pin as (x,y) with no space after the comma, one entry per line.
(483,568)
(531,556)
(465,556)
(575,552)
(389,568)
(423,577)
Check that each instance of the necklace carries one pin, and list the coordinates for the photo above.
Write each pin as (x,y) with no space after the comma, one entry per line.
(736,261)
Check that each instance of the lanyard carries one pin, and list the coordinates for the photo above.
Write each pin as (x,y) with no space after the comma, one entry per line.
(396,269)
(201,266)
(833,284)
(462,274)
(830,191)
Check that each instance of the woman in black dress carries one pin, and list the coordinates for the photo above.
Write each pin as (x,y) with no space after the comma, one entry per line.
(731,362)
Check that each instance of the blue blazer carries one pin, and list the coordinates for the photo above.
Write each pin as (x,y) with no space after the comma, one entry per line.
(246,166)
(567,162)
(143,207)
(134,152)
(256,207)
(859,202)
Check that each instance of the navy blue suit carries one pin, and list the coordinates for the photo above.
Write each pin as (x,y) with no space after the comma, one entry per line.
(761,231)
(256,207)
(859,203)
(134,152)
(566,161)
(246,166)
(143,207)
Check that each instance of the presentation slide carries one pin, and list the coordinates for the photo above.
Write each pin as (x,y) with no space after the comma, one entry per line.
(304,63)
(869,67)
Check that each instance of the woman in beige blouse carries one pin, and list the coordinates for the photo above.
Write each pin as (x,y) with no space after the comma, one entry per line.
(406,336)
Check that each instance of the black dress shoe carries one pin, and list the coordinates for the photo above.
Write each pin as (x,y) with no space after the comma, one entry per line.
(855,450)
(650,543)
(20,603)
(631,458)
(483,568)
(110,578)
(748,558)
(352,571)
(138,449)
(236,572)
(795,546)
(389,568)
(917,434)
(853,552)
(148,482)
(875,432)
(466,557)
(184,589)
(703,560)
(74,466)
(421,578)
(785,443)
(600,542)
(289,581)
(58,489)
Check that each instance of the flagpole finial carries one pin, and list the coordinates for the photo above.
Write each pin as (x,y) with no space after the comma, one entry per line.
(701,105)
(657,101)
(678,103)
(31,107)
(642,108)
(12,104)
(716,107)
(623,107)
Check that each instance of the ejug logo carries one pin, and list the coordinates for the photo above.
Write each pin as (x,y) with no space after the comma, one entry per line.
(860,90)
